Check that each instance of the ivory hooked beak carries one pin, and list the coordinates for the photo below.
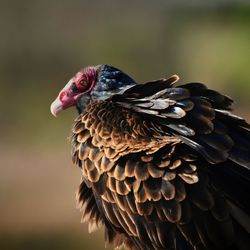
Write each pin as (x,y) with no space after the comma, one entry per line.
(56,107)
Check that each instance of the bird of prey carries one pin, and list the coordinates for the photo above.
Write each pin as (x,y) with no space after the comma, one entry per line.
(162,166)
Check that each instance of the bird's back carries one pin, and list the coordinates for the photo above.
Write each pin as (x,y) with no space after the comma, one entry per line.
(165,168)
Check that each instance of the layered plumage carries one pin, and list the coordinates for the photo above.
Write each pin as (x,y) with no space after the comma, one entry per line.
(163,167)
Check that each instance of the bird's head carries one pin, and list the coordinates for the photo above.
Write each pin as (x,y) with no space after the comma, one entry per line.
(94,82)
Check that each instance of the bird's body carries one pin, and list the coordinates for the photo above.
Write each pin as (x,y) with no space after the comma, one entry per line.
(163,167)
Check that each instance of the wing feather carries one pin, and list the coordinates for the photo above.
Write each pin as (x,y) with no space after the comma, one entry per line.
(165,167)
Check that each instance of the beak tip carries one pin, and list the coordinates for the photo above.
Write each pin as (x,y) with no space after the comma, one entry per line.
(53,113)
(56,107)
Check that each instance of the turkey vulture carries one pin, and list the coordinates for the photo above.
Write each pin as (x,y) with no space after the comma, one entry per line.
(163,166)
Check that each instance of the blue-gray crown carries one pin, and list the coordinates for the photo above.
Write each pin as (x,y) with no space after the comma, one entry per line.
(110,81)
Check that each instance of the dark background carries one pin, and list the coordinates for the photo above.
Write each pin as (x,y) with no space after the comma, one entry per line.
(43,43)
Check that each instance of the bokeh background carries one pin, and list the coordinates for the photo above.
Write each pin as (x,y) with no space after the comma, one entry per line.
(43,43)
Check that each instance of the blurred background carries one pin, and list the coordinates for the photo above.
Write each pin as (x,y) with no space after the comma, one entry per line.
(43,43)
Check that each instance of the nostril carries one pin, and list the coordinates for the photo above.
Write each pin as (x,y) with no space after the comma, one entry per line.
(62,95)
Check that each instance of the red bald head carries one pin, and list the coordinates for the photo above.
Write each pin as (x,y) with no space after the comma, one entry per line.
(80,84)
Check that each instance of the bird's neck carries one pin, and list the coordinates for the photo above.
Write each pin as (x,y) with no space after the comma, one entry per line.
(82,103)
(100,95)
(105,94)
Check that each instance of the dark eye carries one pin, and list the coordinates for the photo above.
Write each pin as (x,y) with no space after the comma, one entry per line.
(82,85)
(82,82)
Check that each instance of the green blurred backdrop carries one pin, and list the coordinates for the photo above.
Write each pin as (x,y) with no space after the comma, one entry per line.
(43,43)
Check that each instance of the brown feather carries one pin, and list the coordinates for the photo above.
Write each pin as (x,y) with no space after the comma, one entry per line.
(100,187)
(189,168)
(109,212)
(104,133)
(180,190)
(141,171)
(154,171)
(160,213)
(97,141)
(88,165)
(189,178)
(89,122)
(78,127)
(167,190)
(144,208)
(106,164)
(83,151)
(83,136)
(119,173)
(93,175)
(78,118)
(152,189)
(129,168)
(121,220)
(108,196)
(164,163)
(95,154)
(147,158)
(175,164)
(140,195)
(129,222)
(110,153)
(128,182)
(131,202)
(111,183)
(120,201)
(121,188)
(169,176)
(136,185)
(172,210)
